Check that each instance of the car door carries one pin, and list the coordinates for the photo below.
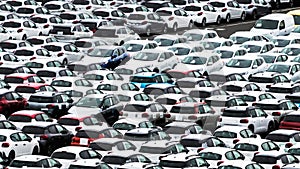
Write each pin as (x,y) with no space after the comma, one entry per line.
(30,28)
(211,14)
(157,22)
(263,120)
(17,144)
(26,143)
(180,19)
(238,10)
(12,103)
(19,101)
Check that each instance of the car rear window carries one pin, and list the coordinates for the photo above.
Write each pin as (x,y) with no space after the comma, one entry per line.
(230,113)
(39,20)
(45,73)
(68,16)
(101,13)
(6,71)
(35,41)
(33,130)
(167,101)
(136,136)
(186,84)
(105,33)
(25,11)
(199,94)
(217,4)
(292,118)
(114,160)
(126,9)
(183,110)
(244,1)
(66,30)
(68,121)
(25,89)
(81,2)
(13,80)
(11,25)
(268,106)
(192,8)
(264,159)
(14,3)
(225,134)
(153,91)
(164,13)
(101,146)
(136,17)
(278,137)
(8,45)
(52,6)
(191,142)
(87,134)
(64,155)
(174,130)
(19,118)
(24,52)
(83,44)
(210,156)
(135,108)
(232,88)
(40,99)
(138,79)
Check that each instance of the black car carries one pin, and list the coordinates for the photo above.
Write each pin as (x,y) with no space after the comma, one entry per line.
(52,136)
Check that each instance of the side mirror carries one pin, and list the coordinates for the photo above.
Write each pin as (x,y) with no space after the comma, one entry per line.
(70,101)
(209,63)
(254,67)
(57,165)
(64,132)
(7,87)
(28,139)
(49,120)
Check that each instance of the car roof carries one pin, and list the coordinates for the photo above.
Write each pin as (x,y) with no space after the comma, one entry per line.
(285,132)
(32,158)
(28,112)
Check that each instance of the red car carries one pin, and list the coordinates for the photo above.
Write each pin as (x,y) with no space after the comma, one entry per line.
(178,74)
(27,89)
(291,121)
(10,102)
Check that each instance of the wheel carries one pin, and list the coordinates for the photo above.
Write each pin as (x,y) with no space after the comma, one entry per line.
(11,156)
(65,62)
(156,70)
(227,20)
(6,113)
(291,3)
(35,151)
(50,150)
(251,128)
(203,24)
(24,37)
(191,24)
(40,34)
(165,30)
(148,31)
(270,127)
(175,27)
(254,15)
(121,43)
(218,20)
(243,17)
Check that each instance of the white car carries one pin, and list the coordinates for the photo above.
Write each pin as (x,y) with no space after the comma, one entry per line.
(207,62)
(203,13)
(16,143)
(258,47)
(229,9)
(26,54)
(167,40)
(75,16)
(51,73)
(46,22)
(255,118)
(75,83)
(135,46)
(233,87)
(8,58)
(131,8)
(183,160)
(85,45)
(88,5)
(22,28)
(175,17)
(291,50)
(282,41)
(240,37)
(41,40)
(67,155)
(289,69)
(196,35)
(254,96)
(246,65)
(183,49)
(116,16)
(228,52)
(34,162)
(30,10)
(213,43)
(59,6)
(271,57)
(85,163)
(277,159)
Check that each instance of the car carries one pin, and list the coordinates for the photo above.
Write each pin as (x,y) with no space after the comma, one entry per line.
(116,35)
(240,164)
(168,40)
(282,41)
(89,5)
(24,117)
(5,35)
(202,93)
(53,103)
(7,69)
(266,79)
(220,102)
(105,107)
(229,10)
(22,28)
(144,79)
(11,45)
(49,136)
(115,15)
(168,100)
(34,161)
(29,10)
(65,155)
(252,146)
(17,143)
(203,13)
(8,58)
(15,79)
(95,24)
(206,62)
(291,50)
(200,34)
(87,44)
(68,32)
(234,87)
(11,101)
(276,159)
(246,65)
(40,40)
(228,52)
(183,49)
(57,8)
(50,73)
(220,77)
(258,46)
(38,64)
(176,18)
(271,57)
(255,8)
(183,160)
(231,135)
(213,43)
(75,16)
(179,74)
(199,113)
(88,163)
(239,37)
(156,90)
(130,8)
(280,90)
(153,5)
(21,3)
(218,155)
(251,97)
(147,23)
(134,46)
(256,119)
(284,138)
(26,54)
(125,124)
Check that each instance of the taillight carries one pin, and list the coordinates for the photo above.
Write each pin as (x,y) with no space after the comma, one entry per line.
(244,121)
(75,139)
(78,128)
(112,3)
(19,30)
(101,136)
(145,115)
(5,144)
(44,137)
(220,119)
(75,22)
(144,22)
(167,115)
(32,58)
(200,149)
(276,114)
(268,86)
(200,13)
(250,6)
(88,7)
(220,162)
(224,9)
(276,167)
(288,145)
(193,117)
(121,113)
(235,141)
(94,30)
(60,54)
(256,153)
(49,106)
(46,26)
(171,18)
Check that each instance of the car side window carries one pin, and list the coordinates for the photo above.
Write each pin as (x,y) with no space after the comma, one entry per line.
(177,13)
(15,137)
(9,96)
(229,155)
(230,4)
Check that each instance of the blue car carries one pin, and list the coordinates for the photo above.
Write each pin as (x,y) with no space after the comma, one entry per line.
(144,79)
(110,57)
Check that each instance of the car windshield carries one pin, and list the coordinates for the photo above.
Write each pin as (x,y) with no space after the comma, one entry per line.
(217,4)
(180,50)
(296,19)
(164,42)
(252,48)
(296,29)
(210,156)
(211,45)
(291,51)
(193,36)
(239,63)
(135,108)
(265,159)
(101,52)
(225,54)
(23,164)
(230,113)
(292,118)
(164,13)
(133,47)
(145,56)
(89,102)
(172,164)
(268,58)
(279,68)
(64,155)
(194,60)
(246,147)
(239,39)
(244,1)
(281,42)
(192,8)
(266,24)
(225,134)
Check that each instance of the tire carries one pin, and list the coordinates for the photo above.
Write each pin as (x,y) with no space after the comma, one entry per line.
(24,37)
(191,25)
(148,32)
(254,15)
(40,34)
(175,27)
(218,21)
(65,62)
(121,43)
(203,24)
(165,30)
(156,70)
(291,3)
(271,127)
(11,156)
(228,18)
(35,151)
(251,127)
(243,17)
(50,150)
